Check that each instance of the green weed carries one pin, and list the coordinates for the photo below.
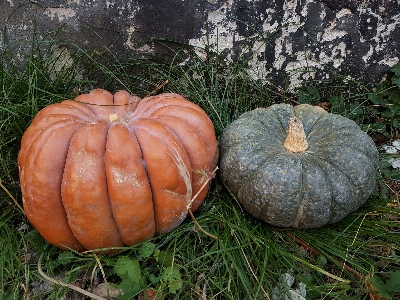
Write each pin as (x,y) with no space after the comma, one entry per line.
(249,259)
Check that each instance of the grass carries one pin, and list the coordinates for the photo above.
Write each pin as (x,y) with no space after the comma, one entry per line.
(249,259)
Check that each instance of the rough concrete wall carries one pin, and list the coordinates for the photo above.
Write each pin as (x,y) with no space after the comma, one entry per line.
(357,38)
(297,38)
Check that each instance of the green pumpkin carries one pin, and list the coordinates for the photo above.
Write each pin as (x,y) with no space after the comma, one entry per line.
(298,166)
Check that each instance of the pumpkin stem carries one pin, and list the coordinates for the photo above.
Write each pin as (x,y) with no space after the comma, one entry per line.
(113,118)
(296,140)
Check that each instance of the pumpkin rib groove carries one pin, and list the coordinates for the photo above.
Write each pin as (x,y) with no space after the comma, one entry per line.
(48,119)
(88,106)
(361,150)
(276,135)
(124,103)
(310,116)
(354,185)
(251,176)
(331,135)
(165,186)
(246,137)
(300,206)
(132,128)
(269,158)
(107,183)
(333,119)
(318,157)
(311,129)
(149,105)
(84,189)
(34,135)
(245,177)
(50,196)
(235,150)
(310,137)
(317,195)
(194,119)
(334,166)
(99,101)
(273,186)
(31,134)
(128,185)
(351,150)
(61,108)
(195,148)
(331,190)
(43,123)
(331,180)
(338,168)
(282,123)
(62,117)
(143,107)
(295,223)
(362,187)
(82,107)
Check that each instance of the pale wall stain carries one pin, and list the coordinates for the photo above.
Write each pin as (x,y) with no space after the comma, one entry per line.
(61,61)
(221,35)
(298,65)
(60,13)
(131,30)
(78,2)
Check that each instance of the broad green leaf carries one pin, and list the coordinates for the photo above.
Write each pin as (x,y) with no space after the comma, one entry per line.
(147,249)
(126,267)
(129,289)
(172,277)
(307,278)
(163,258)
(393,283)
(153,278)
(390,287)
(65,257)
(374,98)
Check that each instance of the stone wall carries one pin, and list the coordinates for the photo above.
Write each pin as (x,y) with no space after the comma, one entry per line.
(297,39)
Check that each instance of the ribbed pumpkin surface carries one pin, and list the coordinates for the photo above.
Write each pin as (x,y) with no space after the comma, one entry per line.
(321,185)
(106,171)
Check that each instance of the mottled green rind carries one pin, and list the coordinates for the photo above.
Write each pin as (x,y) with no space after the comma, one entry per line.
(332,178)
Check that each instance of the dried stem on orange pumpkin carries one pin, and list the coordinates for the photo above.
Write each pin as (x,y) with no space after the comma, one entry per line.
(296,140)
(159,87)
(194,198)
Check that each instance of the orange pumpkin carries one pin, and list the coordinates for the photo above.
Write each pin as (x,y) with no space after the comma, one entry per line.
(112,170)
